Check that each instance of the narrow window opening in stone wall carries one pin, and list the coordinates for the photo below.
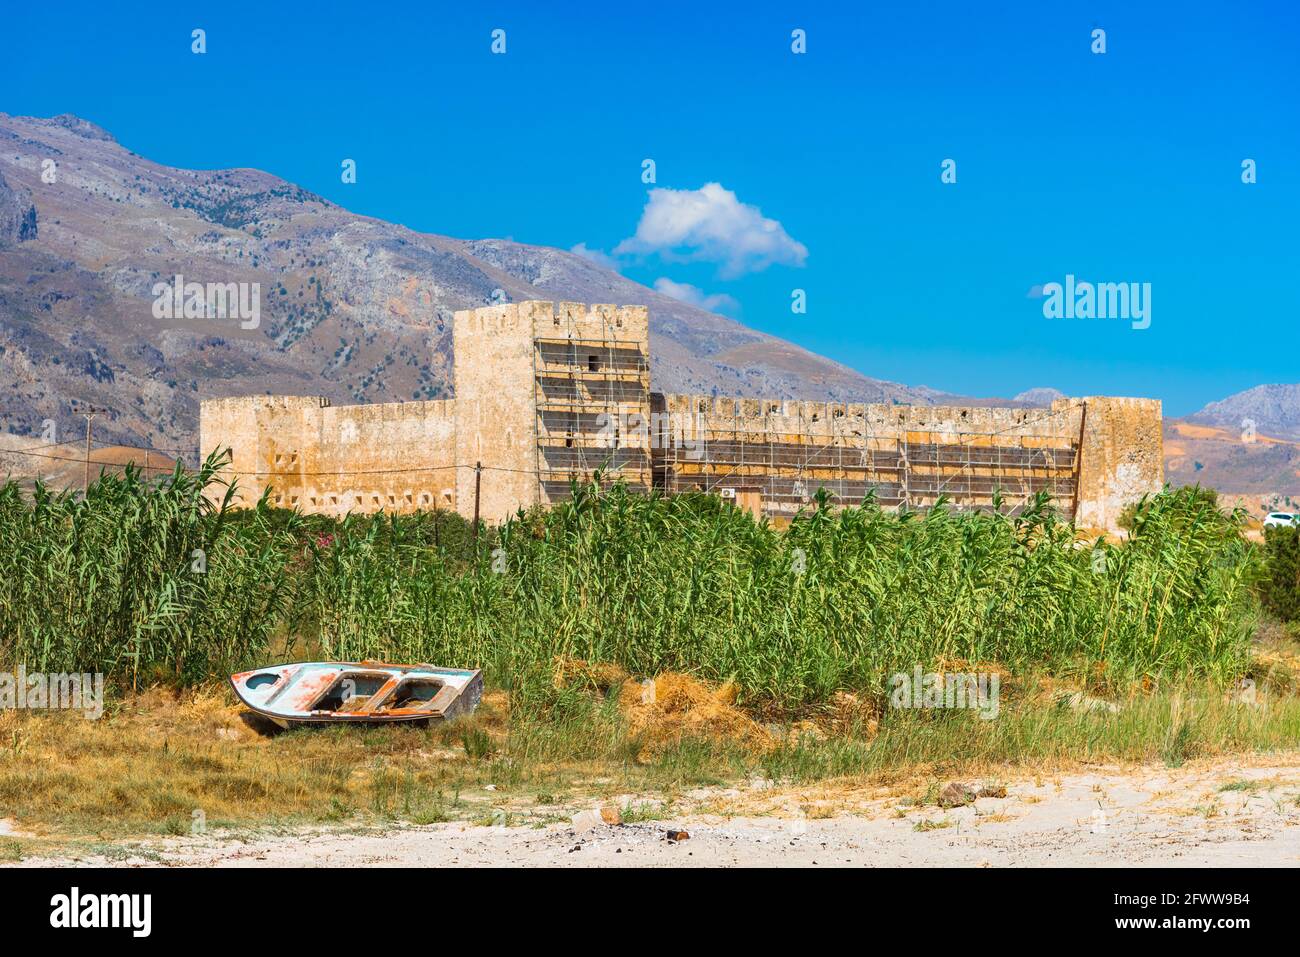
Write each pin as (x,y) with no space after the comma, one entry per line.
(593,363)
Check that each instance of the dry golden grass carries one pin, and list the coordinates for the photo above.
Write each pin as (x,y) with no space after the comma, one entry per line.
(150,763)
(662,712)
(670,708)
(155,759)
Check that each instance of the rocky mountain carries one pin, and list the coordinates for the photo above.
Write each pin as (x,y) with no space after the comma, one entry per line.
(359,310)
(17,216)
(1230,459)
(1258,468)
(349,307)
(1248,443)
(1043,396)
(1270,409)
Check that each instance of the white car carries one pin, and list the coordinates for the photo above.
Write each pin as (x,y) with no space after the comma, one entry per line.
(1281,520)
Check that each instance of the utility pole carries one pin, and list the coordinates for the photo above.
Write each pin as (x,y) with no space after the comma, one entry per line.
(478,479)
(1078,461)
(89,414)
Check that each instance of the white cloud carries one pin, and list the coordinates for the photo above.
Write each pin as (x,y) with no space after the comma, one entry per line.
(597,256)
(693,295)
(710,224)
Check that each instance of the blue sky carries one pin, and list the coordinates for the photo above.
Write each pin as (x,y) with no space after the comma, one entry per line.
(1115,167)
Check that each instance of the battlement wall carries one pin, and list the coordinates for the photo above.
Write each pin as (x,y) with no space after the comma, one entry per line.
(327,459)
(548,392)
(1092,455)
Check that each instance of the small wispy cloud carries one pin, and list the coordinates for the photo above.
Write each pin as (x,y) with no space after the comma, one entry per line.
(597,256)
(711,224)
(695,296)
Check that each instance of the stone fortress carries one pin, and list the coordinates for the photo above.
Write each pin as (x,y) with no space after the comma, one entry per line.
(547,393)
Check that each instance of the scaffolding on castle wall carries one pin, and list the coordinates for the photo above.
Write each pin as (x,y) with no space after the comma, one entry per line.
(590,398)
(908,468)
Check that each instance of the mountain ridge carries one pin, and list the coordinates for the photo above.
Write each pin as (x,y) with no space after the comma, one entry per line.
(358,309)
(1273,409)
(352,307)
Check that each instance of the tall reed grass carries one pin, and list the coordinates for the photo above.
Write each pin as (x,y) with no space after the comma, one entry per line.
(840,600)
(154,580)
(139,580)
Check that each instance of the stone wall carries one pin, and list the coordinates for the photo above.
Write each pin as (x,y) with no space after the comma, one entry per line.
(494,408)
(1104,451)
(500,352)
(262,437)
(1123,455)
(331,460)
(1094,455)
(849,421)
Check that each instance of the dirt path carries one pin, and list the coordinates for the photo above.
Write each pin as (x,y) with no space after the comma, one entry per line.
(1219,814)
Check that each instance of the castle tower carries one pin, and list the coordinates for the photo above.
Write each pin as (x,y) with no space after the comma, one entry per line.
(547,394)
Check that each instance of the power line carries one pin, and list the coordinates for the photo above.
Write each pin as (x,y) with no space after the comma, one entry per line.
(963,439)
(50,445)
(114,445)
(81,458)
(420,468)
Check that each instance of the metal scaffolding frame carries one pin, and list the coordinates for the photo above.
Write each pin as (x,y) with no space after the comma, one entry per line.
(907,468)
(576,381)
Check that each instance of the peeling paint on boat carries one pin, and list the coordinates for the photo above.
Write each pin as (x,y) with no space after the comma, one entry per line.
(327,692)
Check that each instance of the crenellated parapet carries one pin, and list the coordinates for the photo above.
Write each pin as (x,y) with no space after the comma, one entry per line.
(550,393)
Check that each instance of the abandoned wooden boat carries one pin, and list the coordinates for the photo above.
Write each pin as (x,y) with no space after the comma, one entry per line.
(366,692)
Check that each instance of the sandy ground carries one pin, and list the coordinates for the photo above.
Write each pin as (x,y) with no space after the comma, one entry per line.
(1207,815)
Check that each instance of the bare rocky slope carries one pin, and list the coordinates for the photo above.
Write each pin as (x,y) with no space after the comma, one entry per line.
(1248,443)
(1273,410)
(359,310)
(351,307)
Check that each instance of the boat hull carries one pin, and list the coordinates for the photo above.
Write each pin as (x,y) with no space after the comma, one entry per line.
(357,692)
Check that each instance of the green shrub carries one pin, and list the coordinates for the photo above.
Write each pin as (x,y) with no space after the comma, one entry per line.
(1281,587)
